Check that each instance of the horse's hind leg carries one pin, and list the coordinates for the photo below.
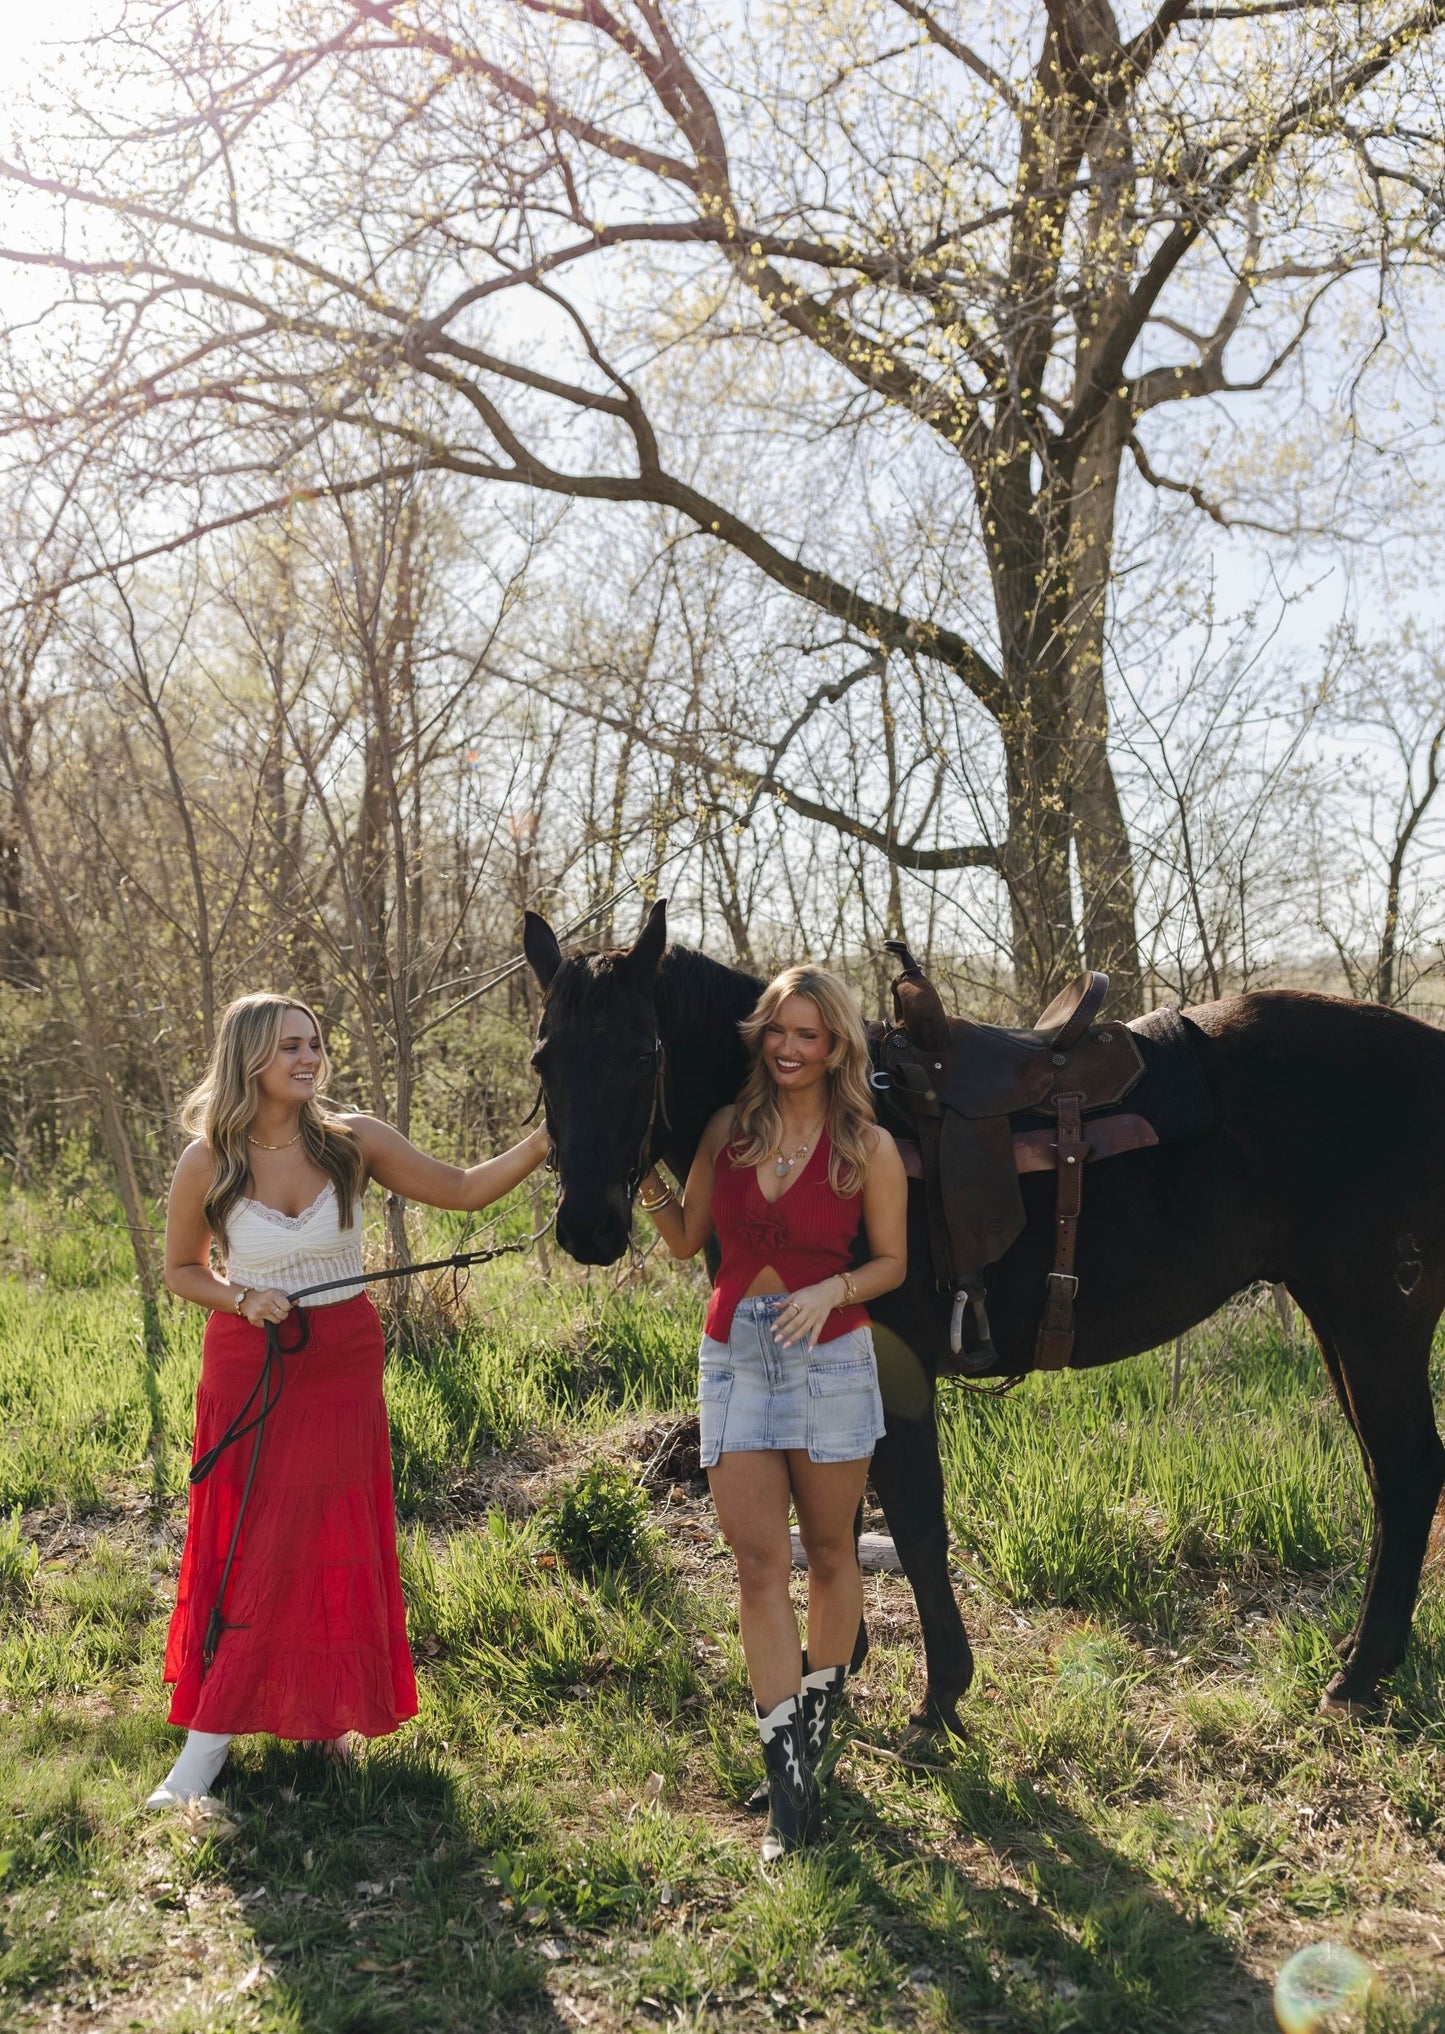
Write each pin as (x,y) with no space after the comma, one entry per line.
(1335,1371)
(1381,1370)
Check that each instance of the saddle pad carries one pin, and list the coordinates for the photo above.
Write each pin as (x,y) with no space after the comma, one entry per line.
(1172,1092)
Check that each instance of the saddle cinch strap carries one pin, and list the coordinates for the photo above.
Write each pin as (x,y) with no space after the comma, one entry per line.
(960,1082)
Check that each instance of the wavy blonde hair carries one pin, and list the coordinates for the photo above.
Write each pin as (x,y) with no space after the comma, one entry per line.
(850,1100)
(222,1109)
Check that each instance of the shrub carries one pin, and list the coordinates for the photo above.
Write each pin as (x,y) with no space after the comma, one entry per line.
(599,1521)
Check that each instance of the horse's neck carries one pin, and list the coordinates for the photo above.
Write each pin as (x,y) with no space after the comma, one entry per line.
(699,1006)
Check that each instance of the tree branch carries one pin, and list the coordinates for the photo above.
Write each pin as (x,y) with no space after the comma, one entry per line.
(1147,44)
(194,535)
(1207,377)
(981,68)
(763,783)
(1254,13)
(1107,374)
(410,37)
(1200,499)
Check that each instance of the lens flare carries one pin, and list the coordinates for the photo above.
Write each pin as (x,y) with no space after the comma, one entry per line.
(1319,1986)
(1086,1663)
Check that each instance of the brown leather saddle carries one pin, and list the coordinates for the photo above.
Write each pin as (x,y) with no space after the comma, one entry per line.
(960,1083)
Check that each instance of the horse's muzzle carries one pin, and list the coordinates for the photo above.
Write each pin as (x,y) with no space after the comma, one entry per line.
(593,1235)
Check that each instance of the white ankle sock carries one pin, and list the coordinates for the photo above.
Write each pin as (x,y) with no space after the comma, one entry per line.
(194,1773)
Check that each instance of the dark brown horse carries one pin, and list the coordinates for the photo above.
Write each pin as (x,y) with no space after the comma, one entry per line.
(1324,1171)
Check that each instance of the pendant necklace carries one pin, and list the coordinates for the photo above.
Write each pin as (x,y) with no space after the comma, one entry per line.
(273,1147)
(785,1163)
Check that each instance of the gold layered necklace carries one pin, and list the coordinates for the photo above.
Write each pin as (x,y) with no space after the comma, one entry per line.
(786,1161)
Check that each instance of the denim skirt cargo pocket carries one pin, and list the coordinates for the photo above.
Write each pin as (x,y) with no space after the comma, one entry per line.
(845,1410)
(715,1388)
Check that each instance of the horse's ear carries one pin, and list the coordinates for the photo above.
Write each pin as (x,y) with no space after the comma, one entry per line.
(539,944)
(646,949)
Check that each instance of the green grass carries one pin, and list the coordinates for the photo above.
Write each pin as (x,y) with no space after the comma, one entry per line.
(1253,1472)
(1144,1818)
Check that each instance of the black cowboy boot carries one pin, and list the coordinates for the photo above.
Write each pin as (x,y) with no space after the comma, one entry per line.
(792,1790)
(822,1694)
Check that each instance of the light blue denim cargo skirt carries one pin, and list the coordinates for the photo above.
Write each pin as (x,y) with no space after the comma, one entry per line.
(754,1393)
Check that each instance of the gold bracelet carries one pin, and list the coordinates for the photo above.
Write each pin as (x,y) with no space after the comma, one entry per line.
(651,1207)
(850,1290)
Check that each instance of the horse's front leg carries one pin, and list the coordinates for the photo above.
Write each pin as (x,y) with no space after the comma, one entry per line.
(908,1479)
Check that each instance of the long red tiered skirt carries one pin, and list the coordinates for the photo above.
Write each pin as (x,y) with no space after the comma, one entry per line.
(315,1638)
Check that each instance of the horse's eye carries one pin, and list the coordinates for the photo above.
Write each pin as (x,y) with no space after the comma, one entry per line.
(646,1058)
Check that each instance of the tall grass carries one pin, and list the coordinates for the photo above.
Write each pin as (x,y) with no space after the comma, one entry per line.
(1092,1490)
(87,1411)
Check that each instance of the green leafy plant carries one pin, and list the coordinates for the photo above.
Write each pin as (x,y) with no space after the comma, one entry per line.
(19,1558)
(599,1520)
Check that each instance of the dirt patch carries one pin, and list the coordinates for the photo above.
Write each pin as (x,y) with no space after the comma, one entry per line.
(154,1526)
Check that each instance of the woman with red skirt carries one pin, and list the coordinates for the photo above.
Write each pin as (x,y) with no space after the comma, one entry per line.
(295,1624)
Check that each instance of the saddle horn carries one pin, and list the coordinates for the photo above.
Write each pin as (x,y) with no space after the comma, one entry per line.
(900,951)
(916,1003)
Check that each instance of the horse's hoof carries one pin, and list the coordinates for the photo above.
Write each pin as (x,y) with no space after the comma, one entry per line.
(1348,1708)
(938,1717)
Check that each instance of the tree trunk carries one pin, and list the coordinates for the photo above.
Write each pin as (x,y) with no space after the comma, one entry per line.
(1034,863)
(99,1046)
(1100,840)
(122,1157)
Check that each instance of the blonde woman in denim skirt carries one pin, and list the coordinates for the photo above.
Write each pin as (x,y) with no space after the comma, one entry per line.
(787,1177)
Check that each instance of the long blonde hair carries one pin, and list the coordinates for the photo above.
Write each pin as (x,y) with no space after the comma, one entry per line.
(850,1101)
(222,1109)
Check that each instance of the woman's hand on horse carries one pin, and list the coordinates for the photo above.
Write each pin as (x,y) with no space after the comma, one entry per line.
(803,1313)
(267,1303)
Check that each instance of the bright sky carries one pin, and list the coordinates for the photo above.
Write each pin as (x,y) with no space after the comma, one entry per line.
(26,25)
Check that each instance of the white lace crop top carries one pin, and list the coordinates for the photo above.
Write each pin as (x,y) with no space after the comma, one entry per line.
(290,1251)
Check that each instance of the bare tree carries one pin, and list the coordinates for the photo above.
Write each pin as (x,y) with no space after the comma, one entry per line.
(1390,705)
(1022,247)
(80,990)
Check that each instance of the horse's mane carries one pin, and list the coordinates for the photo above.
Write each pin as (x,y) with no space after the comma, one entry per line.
(693,991)
(582,982)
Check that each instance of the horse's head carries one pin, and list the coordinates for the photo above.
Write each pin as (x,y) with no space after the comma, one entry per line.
(599,1061)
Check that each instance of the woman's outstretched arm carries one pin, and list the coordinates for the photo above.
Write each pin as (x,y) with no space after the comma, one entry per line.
(685,1223)
(395,1163)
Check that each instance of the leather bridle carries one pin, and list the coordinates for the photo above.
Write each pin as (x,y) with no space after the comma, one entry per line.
(643,1163)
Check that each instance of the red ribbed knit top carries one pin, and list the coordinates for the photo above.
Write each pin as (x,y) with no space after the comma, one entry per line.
(806,1235)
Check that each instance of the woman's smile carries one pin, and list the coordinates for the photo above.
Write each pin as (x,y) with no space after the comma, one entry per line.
(796,1044)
